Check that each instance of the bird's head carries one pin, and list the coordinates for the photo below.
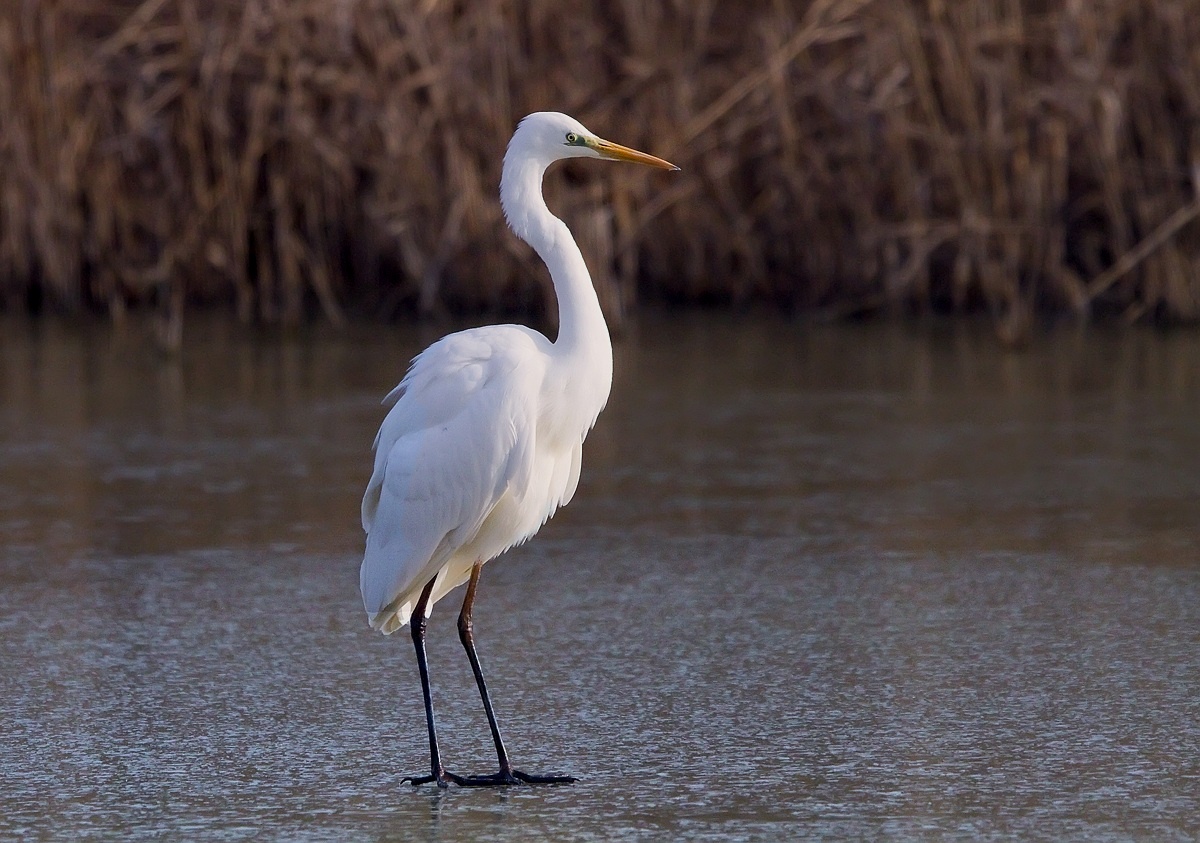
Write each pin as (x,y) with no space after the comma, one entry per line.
(550,136)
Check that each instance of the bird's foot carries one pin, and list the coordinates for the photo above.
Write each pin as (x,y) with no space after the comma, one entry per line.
(544,778)
(416,781)
(501,778)
(511,776)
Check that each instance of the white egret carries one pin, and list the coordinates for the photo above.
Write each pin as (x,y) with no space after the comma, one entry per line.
(484,441)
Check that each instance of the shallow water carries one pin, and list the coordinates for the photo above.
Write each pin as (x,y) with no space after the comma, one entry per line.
(818,582)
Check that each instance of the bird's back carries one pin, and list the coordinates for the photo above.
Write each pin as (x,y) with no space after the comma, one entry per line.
(459,473)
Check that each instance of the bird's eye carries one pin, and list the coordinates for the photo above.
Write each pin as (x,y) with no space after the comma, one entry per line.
(572,138)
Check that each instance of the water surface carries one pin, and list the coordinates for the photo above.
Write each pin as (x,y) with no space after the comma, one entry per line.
(818,582)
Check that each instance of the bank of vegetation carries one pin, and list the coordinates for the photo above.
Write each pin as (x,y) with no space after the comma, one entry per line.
(292,157)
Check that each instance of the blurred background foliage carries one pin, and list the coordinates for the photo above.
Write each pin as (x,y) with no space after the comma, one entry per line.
(284,158)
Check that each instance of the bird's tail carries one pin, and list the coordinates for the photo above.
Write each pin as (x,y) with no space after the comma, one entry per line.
(392,617)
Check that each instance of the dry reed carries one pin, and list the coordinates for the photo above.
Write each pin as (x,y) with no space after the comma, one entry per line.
(847,155)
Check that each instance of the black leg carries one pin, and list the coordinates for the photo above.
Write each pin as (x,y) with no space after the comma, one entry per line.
(466,634)
(507,774)
(417,625)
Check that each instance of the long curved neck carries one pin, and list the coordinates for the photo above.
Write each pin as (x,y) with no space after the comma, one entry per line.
(582,331)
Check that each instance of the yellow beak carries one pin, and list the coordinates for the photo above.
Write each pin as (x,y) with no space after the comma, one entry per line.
(615,151)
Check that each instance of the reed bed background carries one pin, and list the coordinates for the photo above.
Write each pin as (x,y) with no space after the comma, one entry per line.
(342,156)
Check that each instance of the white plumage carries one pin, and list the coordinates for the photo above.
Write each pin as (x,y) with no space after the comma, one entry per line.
(465,465)
(484,441)
(485,437)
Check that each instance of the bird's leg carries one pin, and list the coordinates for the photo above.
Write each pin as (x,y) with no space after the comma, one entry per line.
(507,773)
(417,623)
(466,634)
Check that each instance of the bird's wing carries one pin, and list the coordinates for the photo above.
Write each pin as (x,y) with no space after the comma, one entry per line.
(460,434)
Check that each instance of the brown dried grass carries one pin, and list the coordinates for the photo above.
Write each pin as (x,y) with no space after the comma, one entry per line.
(846,155)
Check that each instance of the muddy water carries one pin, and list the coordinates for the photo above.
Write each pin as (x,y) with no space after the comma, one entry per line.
(817,582)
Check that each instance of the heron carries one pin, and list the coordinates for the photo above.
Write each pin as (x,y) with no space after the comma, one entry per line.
(484,438)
